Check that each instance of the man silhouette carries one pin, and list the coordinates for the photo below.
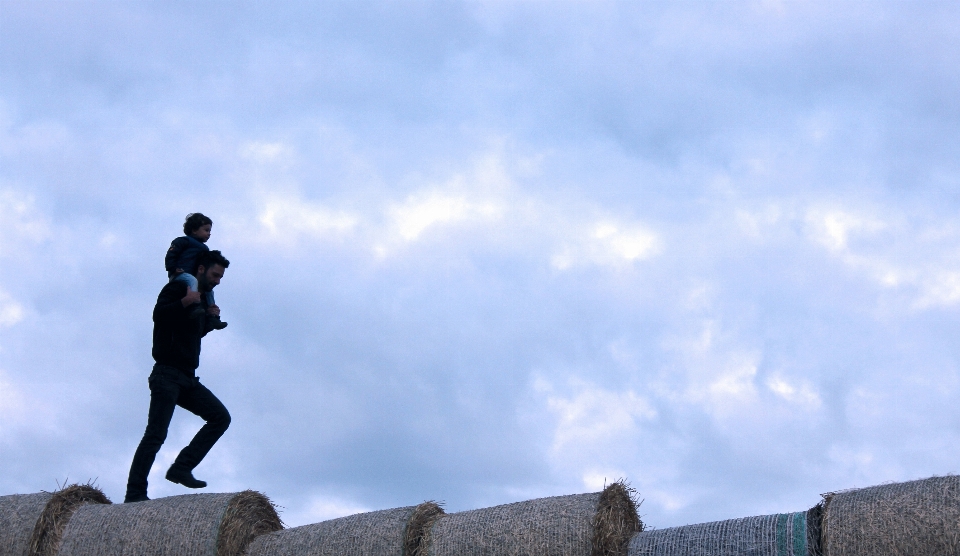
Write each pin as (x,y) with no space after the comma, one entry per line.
(173,382)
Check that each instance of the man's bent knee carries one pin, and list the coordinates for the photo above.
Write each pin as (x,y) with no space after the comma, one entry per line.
(221,420)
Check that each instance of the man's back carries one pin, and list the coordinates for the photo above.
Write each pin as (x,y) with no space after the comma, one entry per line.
(176,336)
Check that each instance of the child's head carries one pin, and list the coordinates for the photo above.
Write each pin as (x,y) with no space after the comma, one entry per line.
(198,226)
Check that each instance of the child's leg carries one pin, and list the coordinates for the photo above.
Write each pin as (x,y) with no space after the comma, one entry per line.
(191,281)
(214,320)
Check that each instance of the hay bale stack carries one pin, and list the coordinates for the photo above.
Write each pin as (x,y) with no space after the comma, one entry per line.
(917,518)
(596,524)
(766,535)
(396,532)
(18,517)
(187,525)
(33,524)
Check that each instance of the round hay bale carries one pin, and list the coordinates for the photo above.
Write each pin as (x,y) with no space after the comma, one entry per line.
(187,525)
(18,518)
(597,524)
(916,518)
(381,533)
(766,535)
(48,532)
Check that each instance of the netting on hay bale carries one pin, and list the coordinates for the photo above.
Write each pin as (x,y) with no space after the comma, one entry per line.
(595,524)
(32,524)
(187,525)
(916,518)
(766,535)
(18,516)
(396,532)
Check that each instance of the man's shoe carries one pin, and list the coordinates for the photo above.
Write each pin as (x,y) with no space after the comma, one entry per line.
(135,498)
(183,477)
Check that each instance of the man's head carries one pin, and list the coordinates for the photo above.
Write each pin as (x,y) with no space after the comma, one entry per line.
(210,267)
(198,226)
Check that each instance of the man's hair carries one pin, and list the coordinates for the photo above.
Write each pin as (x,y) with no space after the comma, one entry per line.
(194,221)
(210,258)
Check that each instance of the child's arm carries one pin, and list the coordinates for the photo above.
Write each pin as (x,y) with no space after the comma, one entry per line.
(173,254)
(172,302)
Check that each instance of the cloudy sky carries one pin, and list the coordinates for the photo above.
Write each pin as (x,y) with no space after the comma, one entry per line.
(490,251)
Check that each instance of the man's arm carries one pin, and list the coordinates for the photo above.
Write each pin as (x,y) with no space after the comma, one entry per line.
(173,300)
(212,310)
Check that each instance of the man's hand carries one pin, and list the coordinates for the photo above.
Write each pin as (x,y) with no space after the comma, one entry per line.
(213,310)
(191,298)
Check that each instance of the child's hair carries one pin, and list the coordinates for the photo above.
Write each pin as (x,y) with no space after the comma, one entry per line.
(194,221)
(210,258)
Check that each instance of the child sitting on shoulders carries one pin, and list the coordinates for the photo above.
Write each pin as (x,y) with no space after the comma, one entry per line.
(181,261)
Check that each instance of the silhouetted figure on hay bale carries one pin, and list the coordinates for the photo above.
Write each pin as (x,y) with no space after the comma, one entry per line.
(173,382)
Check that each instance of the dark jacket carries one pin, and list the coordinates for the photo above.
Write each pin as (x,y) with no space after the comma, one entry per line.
(176,337)
(183,254)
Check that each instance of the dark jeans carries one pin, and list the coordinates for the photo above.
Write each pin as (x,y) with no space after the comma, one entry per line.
(169,388)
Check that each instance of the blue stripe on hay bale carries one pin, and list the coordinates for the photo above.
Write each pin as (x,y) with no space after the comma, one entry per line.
(767,535)
(782,534)
(800,533)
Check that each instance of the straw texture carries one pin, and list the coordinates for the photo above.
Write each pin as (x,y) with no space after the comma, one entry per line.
(416,539)
(188,525)
(767,535)
(18,517)
(556,526)
(616,520)
(917,518)
(381,533)
(48,531)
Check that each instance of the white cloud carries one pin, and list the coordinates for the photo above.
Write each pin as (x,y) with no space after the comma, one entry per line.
(918,258)
(724,379)
(290,219)
(606,243)
(734,383)
(797,393)
(11,312)
(833,227)
(594,415)
(20,223)
(939,288)
(437,208)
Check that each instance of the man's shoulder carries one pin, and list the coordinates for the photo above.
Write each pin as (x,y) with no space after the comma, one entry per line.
(175,288)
